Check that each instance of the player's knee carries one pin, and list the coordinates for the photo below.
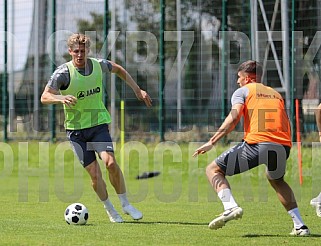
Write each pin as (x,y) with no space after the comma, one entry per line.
(213,169)
(109,160)
(273,176)
(112,166)
(273,181)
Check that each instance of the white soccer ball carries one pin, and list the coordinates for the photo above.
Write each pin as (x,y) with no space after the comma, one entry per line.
(76,214)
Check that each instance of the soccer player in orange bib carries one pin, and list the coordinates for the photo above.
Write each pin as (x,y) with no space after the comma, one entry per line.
(267,140)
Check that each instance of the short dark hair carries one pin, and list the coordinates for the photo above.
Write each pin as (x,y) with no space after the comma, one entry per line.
(253,68)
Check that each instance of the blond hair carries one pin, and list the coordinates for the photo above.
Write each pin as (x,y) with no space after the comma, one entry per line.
(77,39)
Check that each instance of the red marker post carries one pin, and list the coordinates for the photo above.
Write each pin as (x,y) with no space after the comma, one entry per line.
(298,139)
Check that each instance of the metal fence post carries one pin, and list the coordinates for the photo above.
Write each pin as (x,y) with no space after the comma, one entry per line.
(53,67)
(161,117)
(5,75)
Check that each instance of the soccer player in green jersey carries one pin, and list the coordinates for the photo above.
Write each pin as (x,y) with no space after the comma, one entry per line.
(78,85)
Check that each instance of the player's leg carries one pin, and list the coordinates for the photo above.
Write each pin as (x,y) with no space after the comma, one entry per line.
(226,164)
(218,181)
(102,144)
(99,186)
(284,193)
(117,180)
(87,158)
(97,181)
(277,156)
(114,172)
(287,198)
(216,177)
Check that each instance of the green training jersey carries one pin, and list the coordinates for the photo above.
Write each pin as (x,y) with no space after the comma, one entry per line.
(89,110)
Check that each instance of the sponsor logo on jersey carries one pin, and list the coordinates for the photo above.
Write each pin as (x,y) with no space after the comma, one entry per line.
(82,94)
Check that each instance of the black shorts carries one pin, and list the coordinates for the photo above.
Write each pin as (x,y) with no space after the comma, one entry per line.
(244,156)
(86,142)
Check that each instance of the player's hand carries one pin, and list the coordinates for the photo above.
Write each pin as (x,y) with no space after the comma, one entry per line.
(203,149)
(69,100)
(143,96)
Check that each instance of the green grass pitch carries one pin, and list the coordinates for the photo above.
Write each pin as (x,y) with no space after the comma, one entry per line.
(39,180)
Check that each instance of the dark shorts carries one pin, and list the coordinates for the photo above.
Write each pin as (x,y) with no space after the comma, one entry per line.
(244,156)
(86,142)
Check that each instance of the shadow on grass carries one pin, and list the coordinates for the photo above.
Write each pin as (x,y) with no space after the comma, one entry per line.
(165,223)
(278,235)
(86,225)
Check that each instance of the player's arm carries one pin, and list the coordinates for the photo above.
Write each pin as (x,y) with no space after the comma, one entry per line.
(227,126)
(318,119)
(52,96)
(124,75)
(229,123)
